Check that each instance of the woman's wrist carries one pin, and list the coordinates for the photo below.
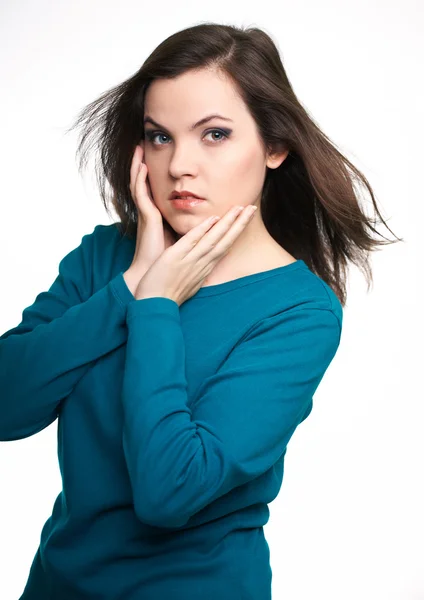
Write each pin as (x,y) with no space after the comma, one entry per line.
(133,276)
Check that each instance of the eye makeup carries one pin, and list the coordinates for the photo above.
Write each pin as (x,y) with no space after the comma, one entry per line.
(152,134)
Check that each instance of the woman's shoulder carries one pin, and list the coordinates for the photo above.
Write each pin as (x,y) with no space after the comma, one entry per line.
(111,252)
(310,292)
(293,288)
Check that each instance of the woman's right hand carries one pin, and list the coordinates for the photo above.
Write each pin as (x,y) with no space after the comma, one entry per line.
(153,235)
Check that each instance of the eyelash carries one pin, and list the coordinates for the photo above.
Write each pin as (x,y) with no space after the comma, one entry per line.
(150,135)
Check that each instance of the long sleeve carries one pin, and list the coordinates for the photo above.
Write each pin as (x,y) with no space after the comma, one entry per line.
(59,337)
(181,458)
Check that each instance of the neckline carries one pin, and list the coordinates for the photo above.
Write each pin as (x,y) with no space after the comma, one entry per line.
(220,288)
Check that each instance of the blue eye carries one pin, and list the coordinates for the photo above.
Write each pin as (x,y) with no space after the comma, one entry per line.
(151,135)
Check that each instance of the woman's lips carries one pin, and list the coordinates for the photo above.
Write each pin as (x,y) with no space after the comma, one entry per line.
(188,202)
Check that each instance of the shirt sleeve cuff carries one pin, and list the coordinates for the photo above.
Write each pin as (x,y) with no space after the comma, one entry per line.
(121,291)
(157,306)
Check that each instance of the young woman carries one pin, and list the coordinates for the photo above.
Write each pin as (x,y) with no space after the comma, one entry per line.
(180,353)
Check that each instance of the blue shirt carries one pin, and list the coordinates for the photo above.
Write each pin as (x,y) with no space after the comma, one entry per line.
(173,422)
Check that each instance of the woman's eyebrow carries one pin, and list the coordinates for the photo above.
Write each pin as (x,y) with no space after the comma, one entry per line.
(148,119)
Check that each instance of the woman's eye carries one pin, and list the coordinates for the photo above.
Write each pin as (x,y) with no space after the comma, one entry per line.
(222,133)
(151,135)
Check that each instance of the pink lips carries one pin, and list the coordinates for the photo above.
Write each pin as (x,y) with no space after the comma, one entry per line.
(186,203)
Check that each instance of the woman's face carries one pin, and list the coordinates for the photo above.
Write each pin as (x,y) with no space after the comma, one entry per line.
(223,161)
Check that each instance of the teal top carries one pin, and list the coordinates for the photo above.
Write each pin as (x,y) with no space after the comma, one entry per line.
(173,422)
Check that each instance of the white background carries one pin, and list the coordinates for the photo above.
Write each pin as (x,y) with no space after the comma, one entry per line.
(348,523)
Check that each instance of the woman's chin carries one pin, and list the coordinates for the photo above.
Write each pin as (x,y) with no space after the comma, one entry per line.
(179,229)
(177,233)
(181,226)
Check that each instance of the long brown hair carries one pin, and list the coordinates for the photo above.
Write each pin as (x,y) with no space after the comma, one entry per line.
(309,203)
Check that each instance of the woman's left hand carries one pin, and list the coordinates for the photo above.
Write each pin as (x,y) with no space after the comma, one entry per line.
(180,270)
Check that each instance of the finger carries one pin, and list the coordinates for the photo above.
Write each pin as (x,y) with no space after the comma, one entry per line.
(202,241)
(144,194)
(144,197)
(204,231)
(189,240)
(224,224)
(217,242)
(140,181)
(149,189)
(135,167)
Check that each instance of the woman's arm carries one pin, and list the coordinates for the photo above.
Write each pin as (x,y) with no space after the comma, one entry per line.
(181,458)
(59,337)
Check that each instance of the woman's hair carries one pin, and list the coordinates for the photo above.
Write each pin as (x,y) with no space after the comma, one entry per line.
(309,203)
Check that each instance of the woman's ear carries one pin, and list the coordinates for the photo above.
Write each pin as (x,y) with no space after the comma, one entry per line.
(276,158)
